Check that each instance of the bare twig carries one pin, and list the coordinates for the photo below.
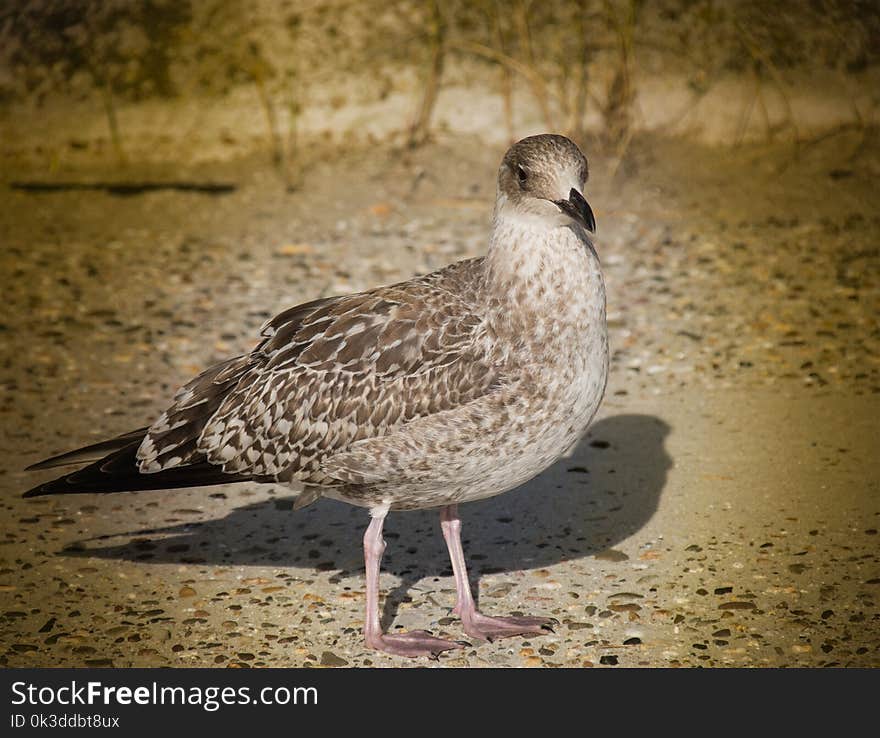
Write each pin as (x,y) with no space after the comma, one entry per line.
(419,130)
(294,169)
(268,106)
(746,114)
(766,63)
(506,77)
(618,106)
(521,21)
(536,82)
(578,111)
(113,122)
(97,70)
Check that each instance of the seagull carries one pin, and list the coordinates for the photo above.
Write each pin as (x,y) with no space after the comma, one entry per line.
(447,388)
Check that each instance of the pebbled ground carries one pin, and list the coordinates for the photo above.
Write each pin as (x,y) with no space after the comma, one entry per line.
(723,510)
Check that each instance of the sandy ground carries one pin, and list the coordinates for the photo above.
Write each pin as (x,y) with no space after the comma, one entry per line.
(723,510)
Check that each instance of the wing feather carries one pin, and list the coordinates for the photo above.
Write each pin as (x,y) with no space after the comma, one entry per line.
(329,373)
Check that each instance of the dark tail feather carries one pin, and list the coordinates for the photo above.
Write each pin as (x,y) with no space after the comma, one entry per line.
(119,472)
(94,452)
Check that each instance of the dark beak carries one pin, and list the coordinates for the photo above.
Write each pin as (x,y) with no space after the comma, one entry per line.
(579,209)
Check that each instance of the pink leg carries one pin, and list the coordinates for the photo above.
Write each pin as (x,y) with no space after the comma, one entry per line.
(475,623)
(415,643)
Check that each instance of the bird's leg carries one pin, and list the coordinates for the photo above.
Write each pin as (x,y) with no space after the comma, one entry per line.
(475,623)
(414,643)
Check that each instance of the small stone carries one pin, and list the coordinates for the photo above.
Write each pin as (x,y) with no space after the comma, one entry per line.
(296,249)
(611,554)
(381,209)
(625,607)
(328,658)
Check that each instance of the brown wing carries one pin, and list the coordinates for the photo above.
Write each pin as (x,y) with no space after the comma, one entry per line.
(327,374)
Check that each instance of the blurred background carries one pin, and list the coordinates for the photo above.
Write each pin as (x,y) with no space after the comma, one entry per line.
(160,80)
(176,172)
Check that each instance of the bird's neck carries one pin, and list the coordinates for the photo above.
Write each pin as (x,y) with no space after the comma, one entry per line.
(542,282)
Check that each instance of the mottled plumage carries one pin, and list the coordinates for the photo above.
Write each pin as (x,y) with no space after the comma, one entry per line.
(446,388)
(329,374)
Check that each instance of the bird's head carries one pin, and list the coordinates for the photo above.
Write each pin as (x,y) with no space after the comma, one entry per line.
(542,179)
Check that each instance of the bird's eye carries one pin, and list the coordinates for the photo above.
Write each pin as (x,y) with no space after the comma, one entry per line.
(522,175)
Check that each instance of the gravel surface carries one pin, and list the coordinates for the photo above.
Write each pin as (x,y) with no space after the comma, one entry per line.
(723,510)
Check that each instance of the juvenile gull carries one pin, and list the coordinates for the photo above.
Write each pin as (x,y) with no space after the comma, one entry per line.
(447,388)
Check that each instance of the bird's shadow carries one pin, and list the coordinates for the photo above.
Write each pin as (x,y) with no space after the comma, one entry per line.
(586,503)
